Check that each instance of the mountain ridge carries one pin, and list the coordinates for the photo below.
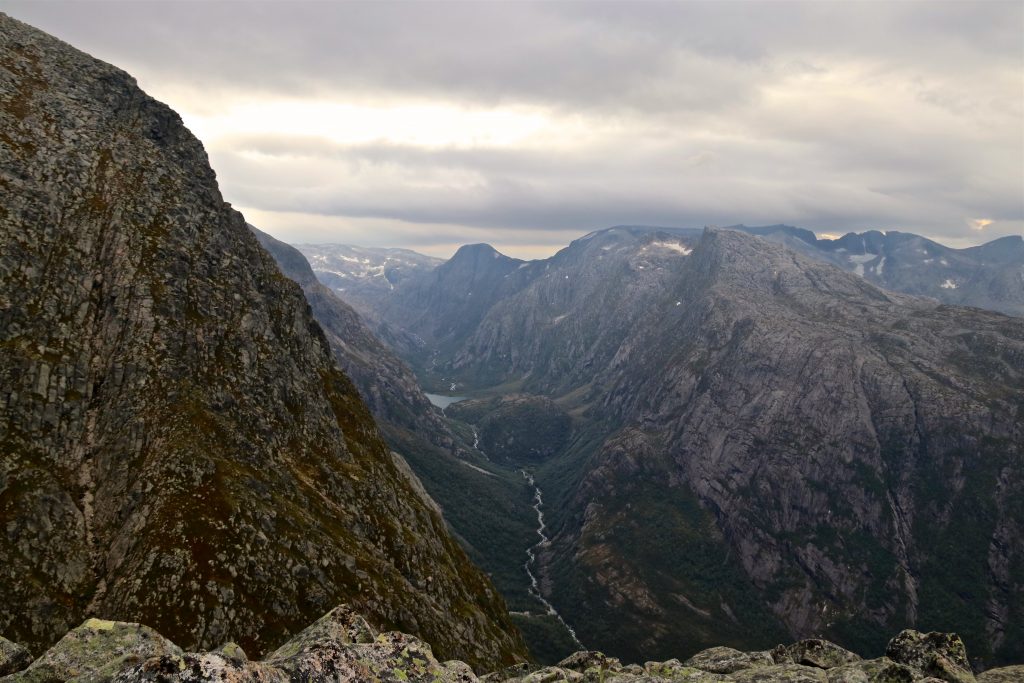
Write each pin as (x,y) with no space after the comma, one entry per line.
(988,275)
(745,391)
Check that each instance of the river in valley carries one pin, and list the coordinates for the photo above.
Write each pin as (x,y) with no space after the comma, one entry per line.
(531,559)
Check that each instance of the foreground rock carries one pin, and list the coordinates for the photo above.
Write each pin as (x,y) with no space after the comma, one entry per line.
(98,650)
(343,646)
(941,655)
(1005,674)
(13,657)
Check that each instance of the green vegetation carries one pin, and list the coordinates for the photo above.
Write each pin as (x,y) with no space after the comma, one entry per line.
(653,539)
(518,429)
(491,513)
(547,639)
(957,528)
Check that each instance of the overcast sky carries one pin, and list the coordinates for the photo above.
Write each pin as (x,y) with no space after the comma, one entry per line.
(430,124)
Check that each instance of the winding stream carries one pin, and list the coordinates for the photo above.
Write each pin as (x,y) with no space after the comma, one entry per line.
(531,560)
(476,445)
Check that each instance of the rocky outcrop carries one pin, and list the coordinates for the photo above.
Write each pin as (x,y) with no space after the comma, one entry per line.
(810,417)
(941,655)
(177,445)
(1005,674)
(342,646)
(98,650)
(13,657)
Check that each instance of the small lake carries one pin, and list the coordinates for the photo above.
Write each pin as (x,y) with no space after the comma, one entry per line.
(443,402)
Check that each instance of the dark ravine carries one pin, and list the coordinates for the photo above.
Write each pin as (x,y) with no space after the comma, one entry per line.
(177,444)
(490,507)
(342,646)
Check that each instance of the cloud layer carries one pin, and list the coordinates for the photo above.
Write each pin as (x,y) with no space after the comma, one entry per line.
(427,124)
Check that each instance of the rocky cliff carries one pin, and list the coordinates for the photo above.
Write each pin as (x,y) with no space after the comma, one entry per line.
(440,307)
(835,440)
(177,445)
(490,508)
(383,379)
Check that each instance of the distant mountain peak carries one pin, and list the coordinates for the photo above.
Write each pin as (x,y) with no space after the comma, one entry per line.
(479,250)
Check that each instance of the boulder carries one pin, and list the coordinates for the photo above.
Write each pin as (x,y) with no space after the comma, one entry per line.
(941,655)
(339,626)
(881,670)
(675,670)
(97,651)
(340,646)
(590,659)
(13,657)
(553,674)
(847,674)
(391,656)
(820,653)
(1005,674)
(725,660)
(780,673)
(591,662)
(200,667)
(513,672)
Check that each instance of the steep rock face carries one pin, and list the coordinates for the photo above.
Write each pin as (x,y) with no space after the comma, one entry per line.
(836,437)
(567,322)
(384,381)
(177,445)
(445,304)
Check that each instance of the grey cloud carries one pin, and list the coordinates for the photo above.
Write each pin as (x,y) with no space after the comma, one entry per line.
(505,200)
(692,83)
(679,182)
(651,56)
